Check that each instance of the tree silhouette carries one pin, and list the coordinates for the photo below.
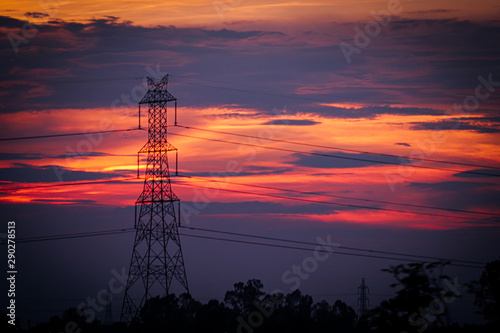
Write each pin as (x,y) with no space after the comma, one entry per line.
(6,327)
(488,292)
(246,309)
(214,317)
(242,298)
(344,317)
(158,314)
(418,305)
(337,318)
(298,310)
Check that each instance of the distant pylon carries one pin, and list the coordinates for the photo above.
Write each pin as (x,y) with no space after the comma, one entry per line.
(363,300)
(157,255)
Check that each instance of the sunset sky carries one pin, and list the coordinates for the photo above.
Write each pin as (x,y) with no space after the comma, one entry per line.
(411,79)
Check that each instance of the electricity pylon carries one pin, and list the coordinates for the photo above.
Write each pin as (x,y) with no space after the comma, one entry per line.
(363,301)
(157,258)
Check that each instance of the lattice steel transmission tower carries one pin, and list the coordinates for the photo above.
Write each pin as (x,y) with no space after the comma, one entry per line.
(363,300)
(157,259)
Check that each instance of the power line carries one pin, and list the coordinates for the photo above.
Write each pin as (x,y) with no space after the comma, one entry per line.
(342,197)
(128,230)
(280,197)
(251,193)
(282,149)
(308,193)
(287,190)
(279,93)
(259,92)
(337,148)
(62,81)
(189,81)
(288,95)
(66,134)
(334,156)
(268,195)
(340,247)
(319,250)
(258,194)
(333,203)
(68,184)
(73,235)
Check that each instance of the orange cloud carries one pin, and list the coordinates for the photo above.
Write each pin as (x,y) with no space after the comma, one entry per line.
(221,12)
(241,163)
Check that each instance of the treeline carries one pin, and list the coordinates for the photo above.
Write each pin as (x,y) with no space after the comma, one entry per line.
(420,305)
(245,309)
